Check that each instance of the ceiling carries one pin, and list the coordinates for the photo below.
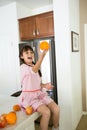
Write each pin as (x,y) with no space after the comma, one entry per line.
(32,4)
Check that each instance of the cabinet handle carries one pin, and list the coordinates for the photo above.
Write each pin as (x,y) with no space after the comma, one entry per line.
(38,32)
(33,33)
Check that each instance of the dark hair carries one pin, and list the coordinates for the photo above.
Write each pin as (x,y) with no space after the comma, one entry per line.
(24,49)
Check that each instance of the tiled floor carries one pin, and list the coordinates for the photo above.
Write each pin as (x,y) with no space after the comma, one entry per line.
(37,127)
(81,126)
(83,123)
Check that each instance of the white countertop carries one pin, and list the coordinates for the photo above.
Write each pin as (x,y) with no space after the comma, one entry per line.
(23,120)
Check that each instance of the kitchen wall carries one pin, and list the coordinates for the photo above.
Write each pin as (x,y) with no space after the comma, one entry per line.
(66,19)
(76,64)
(42,9)
(83,20)
(9,64)
(85,44)
(23,11)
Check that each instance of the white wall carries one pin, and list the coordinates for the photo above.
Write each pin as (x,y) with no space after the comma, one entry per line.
(85,42)
(62,39)
(75,64)
(42,9)
(66,18)
(83,20)
(9,70)
(23,11)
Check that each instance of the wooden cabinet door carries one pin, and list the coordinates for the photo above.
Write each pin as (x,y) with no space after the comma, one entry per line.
(45,25)
(27,28)
(38,26)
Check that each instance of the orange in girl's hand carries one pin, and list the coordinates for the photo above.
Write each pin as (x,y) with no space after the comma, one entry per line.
(11,118)
(29,110)
(16,107)
(44,45)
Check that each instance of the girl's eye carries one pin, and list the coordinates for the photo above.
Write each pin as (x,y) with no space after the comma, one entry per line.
(27,52)
(31,52)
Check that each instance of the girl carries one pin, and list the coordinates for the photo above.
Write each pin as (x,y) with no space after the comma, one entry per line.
(33,93)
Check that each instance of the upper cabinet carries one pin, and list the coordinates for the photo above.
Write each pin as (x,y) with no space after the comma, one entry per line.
(27,28)
(38,26)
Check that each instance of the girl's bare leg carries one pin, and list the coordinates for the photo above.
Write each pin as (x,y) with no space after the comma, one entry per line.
(54,108)
(45,112)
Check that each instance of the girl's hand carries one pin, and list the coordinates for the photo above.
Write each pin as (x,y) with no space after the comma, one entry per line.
(42,53)
(49,86)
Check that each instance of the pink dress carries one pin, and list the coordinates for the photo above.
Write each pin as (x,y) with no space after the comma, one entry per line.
(32,93)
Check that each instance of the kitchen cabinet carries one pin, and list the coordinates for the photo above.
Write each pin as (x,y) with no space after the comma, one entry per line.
(36,26)
(27,28)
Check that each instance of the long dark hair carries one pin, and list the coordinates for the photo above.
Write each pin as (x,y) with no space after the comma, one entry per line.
(24,49)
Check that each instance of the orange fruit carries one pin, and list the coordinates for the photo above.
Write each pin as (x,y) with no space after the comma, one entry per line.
(4,115)
(3,121)
(16,107)
(44,45)
(29,110)
(11,118)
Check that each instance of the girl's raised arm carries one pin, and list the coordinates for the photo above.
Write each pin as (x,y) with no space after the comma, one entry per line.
(42,54)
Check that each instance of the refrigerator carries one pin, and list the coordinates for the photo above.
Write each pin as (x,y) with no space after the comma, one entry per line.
(48,66)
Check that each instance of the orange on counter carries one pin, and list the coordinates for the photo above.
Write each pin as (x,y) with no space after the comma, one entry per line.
(3,121)
(29,110)
(4,115)
(11,118)
(44,45)
(16,107)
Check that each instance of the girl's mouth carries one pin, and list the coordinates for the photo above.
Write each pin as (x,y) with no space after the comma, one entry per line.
(30,58)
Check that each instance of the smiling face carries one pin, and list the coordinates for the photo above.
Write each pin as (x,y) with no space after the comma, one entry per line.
(27,56)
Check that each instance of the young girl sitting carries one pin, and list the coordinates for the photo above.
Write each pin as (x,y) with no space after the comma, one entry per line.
(33,93)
